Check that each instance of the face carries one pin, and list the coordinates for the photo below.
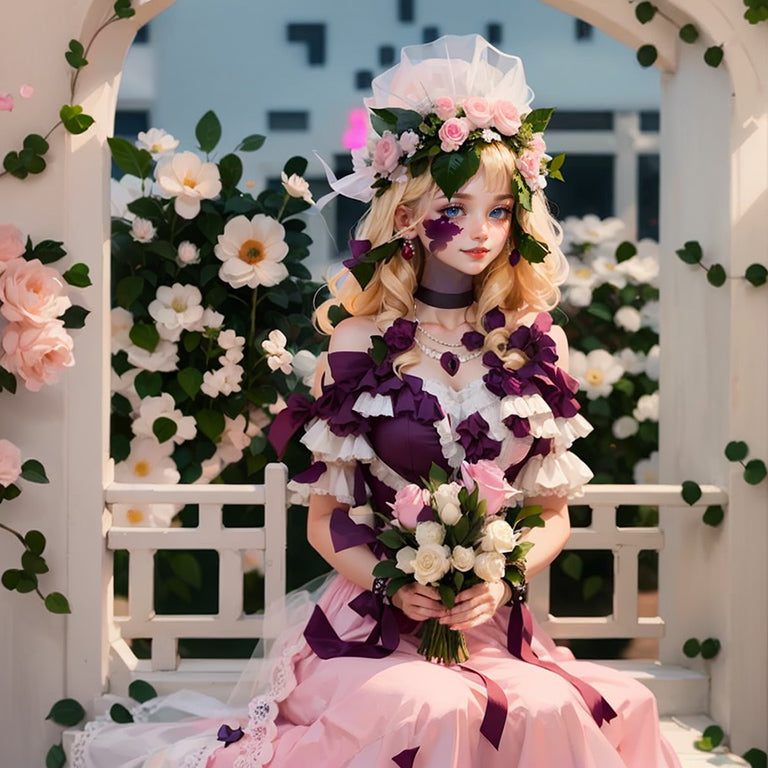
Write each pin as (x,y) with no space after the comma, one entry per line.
(468,231)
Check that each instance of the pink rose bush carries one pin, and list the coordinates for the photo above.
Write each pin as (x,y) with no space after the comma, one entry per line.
(38,354)
(454,535)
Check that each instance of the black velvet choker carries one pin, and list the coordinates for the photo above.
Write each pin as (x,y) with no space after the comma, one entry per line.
(444,300)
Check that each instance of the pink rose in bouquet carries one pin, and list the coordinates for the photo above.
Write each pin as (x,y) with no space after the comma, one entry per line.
(36,353)
(11,244)
(10,463)
(32,293)
(493,487)
(408,505)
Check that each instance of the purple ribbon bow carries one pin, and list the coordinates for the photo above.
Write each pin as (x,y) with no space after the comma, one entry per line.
(297,411)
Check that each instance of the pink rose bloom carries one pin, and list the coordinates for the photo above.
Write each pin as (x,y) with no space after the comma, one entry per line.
(10,463)
(37,354)
(32,293)
(453,133)
(408,504)
(478,111)
(506,118)
(537,144)
(386,155)
(11,245)
(529,165)
(493,486)
(445,108)
(409,142)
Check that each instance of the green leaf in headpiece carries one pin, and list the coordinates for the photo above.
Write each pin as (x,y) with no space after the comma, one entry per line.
(452,170)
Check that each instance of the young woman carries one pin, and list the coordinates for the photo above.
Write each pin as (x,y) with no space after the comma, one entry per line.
(447,357)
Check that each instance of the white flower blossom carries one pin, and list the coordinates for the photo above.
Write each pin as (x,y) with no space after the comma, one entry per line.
(429,532)
(607,271)
(252,252)
(143,230)
(646,471)
(297,186)
(643,267)
(488,135)
(187,253)
(143,515)
(305,366)
(597,372)
(223,381)
(125,191)
(157,142)
(234,439)
(165,357)
(624,427)
(187,178)
(124,385)
(650,315)
(498,537)
(652,363)
(163,406)
(579,284)
(121,323)
(463,558)
(627,318)
(490,566)
(431,563)
(176,308)
(405,558)
(211,319)
(277,356)
(633,362)
(591,230)
(148,462)
(647,408)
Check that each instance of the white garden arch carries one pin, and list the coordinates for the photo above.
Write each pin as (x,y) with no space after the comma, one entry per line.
(714,143)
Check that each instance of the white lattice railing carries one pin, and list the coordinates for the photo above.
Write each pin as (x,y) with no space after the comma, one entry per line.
(164,631)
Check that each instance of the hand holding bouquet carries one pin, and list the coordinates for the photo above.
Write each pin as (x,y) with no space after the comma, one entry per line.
(453,534)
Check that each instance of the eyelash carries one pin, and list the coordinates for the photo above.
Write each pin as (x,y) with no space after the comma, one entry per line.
(507,211)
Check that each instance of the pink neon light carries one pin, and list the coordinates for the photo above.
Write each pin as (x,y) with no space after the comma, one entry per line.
(356,133)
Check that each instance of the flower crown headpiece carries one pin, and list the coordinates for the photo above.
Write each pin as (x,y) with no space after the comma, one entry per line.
(435,110)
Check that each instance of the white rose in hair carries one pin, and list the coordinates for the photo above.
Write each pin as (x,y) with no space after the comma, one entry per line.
(499,537)
(463,558)
(431,563)
(430,533)
(405,559)
(450,514)
(490,566)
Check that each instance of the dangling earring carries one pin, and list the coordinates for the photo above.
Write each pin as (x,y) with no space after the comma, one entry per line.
(406,249)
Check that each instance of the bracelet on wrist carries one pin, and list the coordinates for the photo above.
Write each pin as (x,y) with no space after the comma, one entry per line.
(519,592)
(379,588)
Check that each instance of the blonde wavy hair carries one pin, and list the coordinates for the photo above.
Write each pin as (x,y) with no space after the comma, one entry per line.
(388,296)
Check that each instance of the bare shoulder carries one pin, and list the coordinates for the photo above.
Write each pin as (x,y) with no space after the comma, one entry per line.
(353,334)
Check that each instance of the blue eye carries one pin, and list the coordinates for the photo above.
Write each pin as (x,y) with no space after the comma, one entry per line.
(500,213)
(452,211)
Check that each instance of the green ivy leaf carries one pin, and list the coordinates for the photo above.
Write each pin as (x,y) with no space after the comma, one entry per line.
(756,274)
(129,158)
(691,648)
(691,492)
(123,9)
(251,143)
(120,714)
(129,289)
(74,316)
(716,275)
(55,602)
(714,55)
(11,578)
(208,131)
(647,55)
(710,648)
(691,252)
(736,450)
(36,143)
(35,542)
(625,250)
(711,738)
(66,712)
(164,428)
(713,515)
(141,691)
(10,492)
(756,757)
(145,335)
(210,423)
(31,162)
(77,275)
(74,119)
(230,170)
(55,757)
(645,11)
(48,251)
(12,163)
(74,55)
(755,471)
(148,384)
(33,471)
(32,563)
(689,33)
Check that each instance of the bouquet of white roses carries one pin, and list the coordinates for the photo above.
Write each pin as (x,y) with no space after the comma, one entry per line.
(453,534)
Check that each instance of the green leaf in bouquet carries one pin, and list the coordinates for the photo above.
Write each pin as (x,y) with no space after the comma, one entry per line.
(128,290)
(77,275)
(129,158)
(572,565)
(33,471)
(538,119)
(210,423)
(208,273)
(520,551)
(591,587)
(148,384)
(458,580)
(251,143)
(394,584)
(74,316)
(211,224)
(235,404)
(386,569)
(451,169)
(164,428)
(295,165)
(534,521)
(35,542)
(121,405)
(66,712)
(461,529)
(297,269)
(55,602)
(230,170)
(391,538)
(32,563)
(447,596)
(628,294)
(7,381)
(649,431)
(514,575)
(625,385)
(208,131)
(336,314)
(145,335)
(279,298)
(258,444)
(256,463)
(529,510)
(690,491)
(437,474)
(241,204)
(46,251)
(190,380)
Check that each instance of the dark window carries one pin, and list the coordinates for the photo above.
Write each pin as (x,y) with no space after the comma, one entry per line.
(142,36)
(428,34)
(386,55)
(563,120)
(588,186)
(313,36)
(648,196)
(406,10)
(363,79)
(650,122)
(583,30)
(493,33)
(283,120)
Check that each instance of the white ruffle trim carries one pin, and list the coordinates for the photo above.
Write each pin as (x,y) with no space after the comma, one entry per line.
(338,480)
(569,430)
(373,405)
(327,446)
(452,449)
(559,474)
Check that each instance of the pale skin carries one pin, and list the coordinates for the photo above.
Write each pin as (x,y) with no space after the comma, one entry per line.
(484,217)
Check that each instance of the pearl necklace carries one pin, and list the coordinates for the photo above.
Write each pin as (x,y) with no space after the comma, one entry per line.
(436,340)
(436,354)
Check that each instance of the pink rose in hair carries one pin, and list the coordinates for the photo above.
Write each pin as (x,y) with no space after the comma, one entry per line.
(453,133)
(529,165)
(32,293)
(11,245)
(10,463)
(409,142)
(478,111)
(493,486)
(506,118)
(408,504)
(537,144)
(37,354)
(386,155)
(445,108)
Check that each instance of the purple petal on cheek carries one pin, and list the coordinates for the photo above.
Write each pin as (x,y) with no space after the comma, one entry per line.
(440,232)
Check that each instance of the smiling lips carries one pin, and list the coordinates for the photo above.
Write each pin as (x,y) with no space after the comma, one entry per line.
(476,253)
